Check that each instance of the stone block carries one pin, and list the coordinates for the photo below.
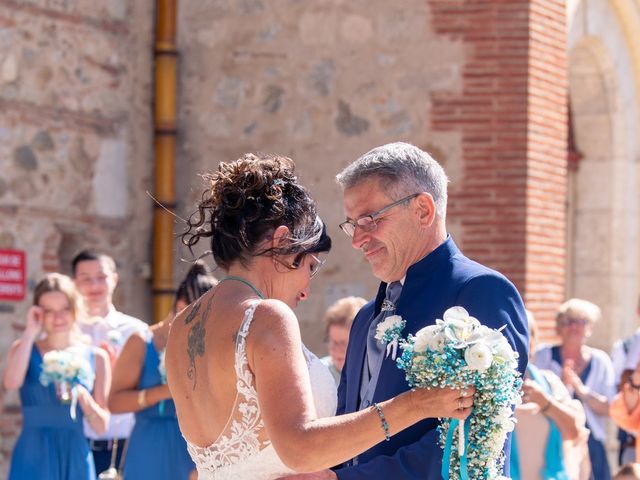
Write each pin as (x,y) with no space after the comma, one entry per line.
(348,123)
(593,136)
(356,29)
(592,242)
(594,184)
(110,183)
(24,158)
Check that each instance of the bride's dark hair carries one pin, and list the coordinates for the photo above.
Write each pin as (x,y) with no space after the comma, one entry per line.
(246,201)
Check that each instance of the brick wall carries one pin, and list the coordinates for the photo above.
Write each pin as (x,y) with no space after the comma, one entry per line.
(512,115)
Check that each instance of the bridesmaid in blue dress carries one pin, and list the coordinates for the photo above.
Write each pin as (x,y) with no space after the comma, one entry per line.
(156,447)
(52,444)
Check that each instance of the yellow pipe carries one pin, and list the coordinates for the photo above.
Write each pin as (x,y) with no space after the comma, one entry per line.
(164,145)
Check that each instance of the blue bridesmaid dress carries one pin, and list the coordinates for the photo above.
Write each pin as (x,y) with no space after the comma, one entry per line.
(156,447)
(52,445)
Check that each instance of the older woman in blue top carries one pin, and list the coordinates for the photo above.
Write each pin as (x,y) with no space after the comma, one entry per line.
(156,447)
(586,371)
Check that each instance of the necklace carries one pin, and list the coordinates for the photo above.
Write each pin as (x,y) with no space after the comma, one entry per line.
(246,282)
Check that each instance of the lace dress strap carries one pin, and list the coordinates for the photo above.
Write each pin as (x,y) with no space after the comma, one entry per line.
(243,436)
(241,362)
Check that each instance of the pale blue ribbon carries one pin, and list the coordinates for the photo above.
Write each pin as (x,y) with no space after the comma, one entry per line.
(446,458)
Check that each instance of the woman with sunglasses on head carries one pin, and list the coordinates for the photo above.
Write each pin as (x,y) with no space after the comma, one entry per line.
(52,444)
(586,371)
(252,401)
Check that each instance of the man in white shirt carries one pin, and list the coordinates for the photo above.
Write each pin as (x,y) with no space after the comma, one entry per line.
(96,278)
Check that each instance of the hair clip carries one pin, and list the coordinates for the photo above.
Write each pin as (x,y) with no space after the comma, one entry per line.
(278,182)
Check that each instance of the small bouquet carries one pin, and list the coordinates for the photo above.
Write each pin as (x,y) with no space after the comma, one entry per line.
(66,369)
(389,331)
(457,352)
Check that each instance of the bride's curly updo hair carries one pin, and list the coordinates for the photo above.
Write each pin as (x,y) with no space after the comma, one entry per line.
(246,201)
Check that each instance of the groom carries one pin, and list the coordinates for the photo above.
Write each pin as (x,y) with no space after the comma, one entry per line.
(395,199)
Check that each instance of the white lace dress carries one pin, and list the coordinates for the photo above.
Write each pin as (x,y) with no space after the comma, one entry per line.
(243,451)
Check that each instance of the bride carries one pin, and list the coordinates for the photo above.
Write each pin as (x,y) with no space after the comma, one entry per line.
(252,401)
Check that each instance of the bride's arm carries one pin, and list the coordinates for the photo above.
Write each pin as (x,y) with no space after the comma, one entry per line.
(303,442)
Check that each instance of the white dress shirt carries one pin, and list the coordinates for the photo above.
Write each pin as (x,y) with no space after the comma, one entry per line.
(114,329)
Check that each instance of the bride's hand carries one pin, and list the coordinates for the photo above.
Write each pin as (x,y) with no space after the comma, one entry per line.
(443,402)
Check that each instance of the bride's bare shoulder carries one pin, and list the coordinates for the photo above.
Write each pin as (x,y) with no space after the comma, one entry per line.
(274,322)
(273,312)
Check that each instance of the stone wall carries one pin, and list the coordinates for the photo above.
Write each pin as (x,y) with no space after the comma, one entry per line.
(75,156)
(322,82)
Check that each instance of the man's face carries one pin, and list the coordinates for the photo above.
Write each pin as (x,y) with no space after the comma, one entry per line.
(395,243)
(96,282)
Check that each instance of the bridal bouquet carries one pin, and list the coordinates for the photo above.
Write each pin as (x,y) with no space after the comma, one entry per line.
(66,369)
(457,352)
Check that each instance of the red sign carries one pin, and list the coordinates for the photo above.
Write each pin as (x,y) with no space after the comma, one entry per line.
(13,277)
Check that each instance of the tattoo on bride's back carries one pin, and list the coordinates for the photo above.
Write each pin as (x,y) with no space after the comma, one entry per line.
(195,341)
(192,314)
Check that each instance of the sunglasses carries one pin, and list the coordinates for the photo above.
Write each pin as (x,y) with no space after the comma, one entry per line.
(297,261)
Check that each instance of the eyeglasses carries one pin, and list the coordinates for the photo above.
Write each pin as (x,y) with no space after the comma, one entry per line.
(580,322)
(313,268)
(368,222)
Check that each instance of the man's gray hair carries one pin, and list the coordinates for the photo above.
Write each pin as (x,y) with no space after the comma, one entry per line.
(404,169)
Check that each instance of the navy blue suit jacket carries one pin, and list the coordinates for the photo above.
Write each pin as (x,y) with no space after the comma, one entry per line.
(443,279)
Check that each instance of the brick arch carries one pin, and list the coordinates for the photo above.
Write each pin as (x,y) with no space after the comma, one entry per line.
(602,253)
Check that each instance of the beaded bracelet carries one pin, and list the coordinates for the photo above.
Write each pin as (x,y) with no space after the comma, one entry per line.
(385,425)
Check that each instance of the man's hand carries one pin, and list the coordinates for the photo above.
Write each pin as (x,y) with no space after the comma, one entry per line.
(322,475)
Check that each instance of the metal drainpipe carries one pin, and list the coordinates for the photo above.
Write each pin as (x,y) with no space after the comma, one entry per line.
(165,55)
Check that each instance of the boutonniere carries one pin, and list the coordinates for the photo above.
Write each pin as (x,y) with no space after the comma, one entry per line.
(389,331)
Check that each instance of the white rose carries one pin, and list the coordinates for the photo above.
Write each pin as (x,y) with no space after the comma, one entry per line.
(390,322)
(460,326)
(478,357)
(504,351)
(489,336)
(431,338)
